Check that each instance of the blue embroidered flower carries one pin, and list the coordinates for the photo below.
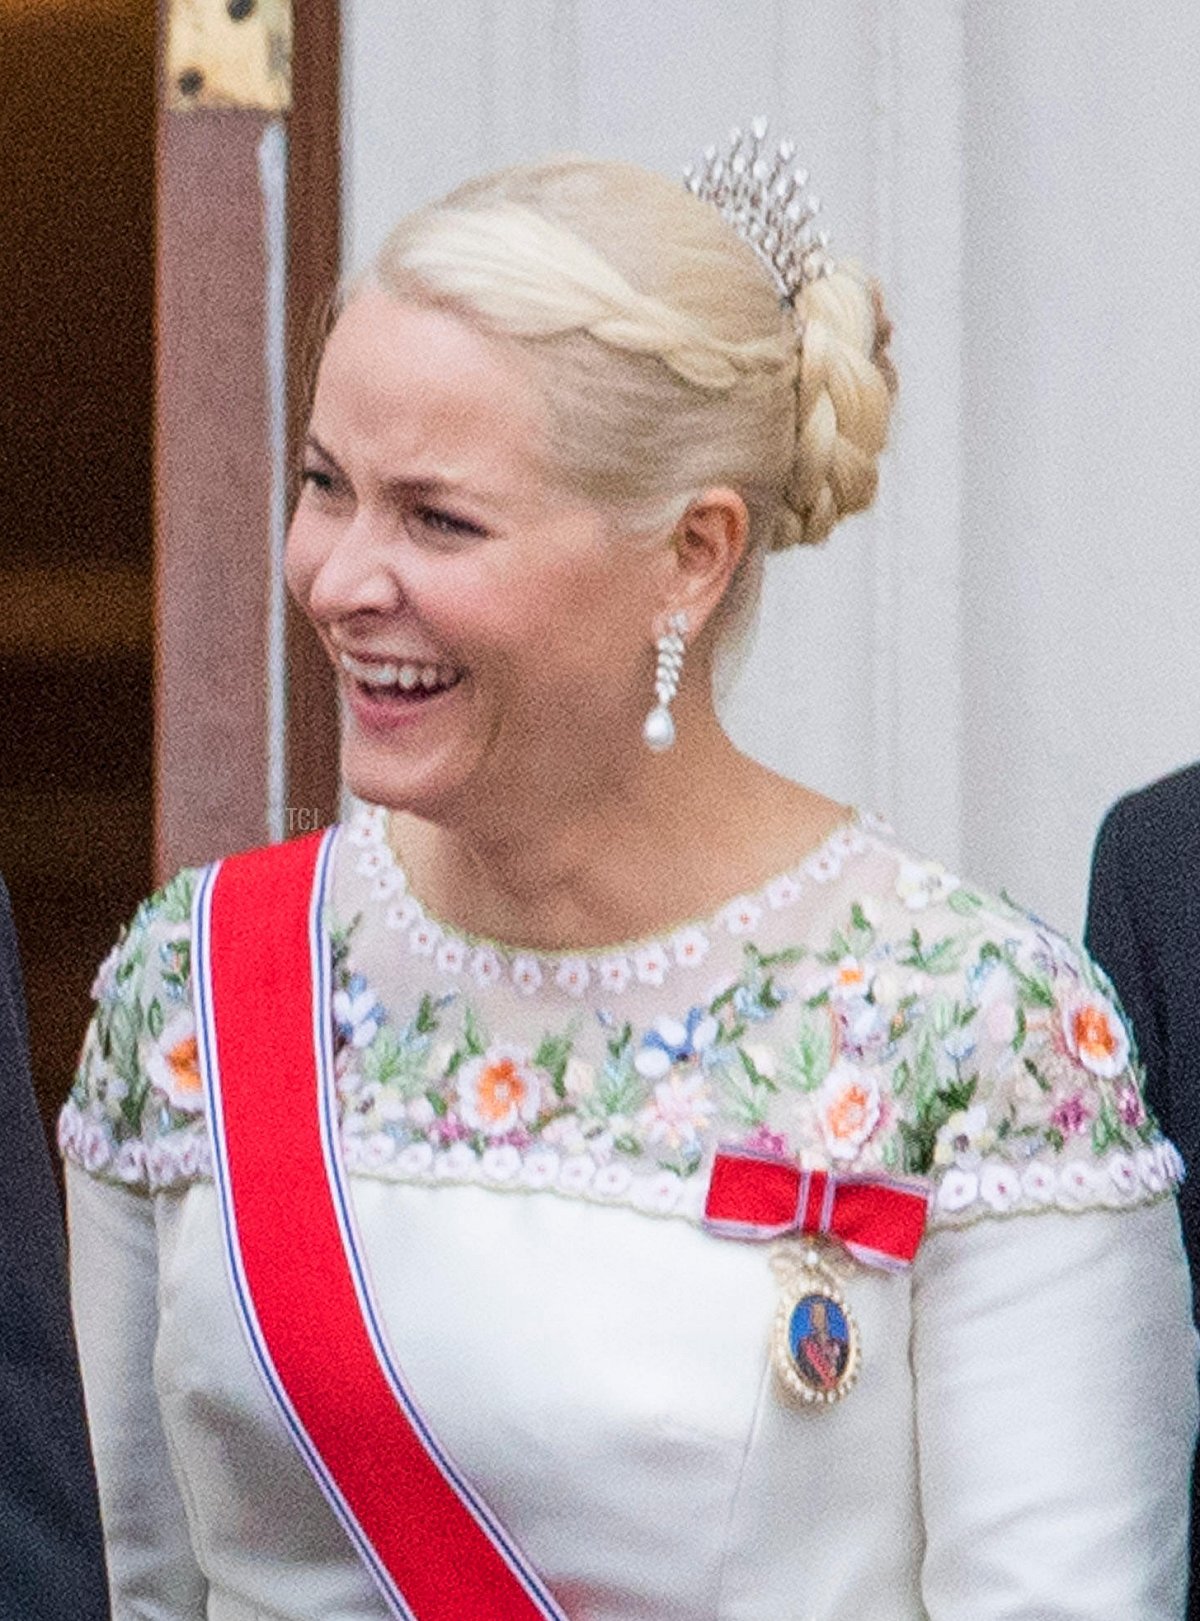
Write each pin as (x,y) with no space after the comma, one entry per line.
(669,1042)
(357,1013)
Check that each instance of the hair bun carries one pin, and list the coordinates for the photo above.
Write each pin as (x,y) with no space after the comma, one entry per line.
(845,385)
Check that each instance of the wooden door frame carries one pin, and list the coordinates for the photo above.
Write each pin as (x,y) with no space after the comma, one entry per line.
(248,236)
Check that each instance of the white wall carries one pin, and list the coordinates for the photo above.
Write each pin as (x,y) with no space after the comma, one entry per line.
(1005,642)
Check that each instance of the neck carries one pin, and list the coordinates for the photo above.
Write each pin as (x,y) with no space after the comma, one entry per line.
(616,858)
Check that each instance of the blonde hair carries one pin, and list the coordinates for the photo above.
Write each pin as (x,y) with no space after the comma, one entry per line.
(659,343)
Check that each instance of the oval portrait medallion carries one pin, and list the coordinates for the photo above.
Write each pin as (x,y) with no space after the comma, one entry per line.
(816,1344)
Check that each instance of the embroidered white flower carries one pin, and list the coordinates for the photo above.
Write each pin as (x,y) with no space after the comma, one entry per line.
(390,881)
(540,1168)
(1150,1169)
(526,975)
(824,865)
(847,1108)
(679,1112)
(784,891)
(847,841)
(501,1163)
(564,1132)
(958,1190)
(921,884)
(415,1159)
(572,976)
(422,1113)
(376,1150)
(459,1163)
(690,946)
(1078,1183)
(486,967)
(373,861)
(650,964)
(1095,1035)
(451,956)
(614,974)
(173,1064)
(658,1194)
(1123,1174)
(763,1058)
(357,1013)
(1039,1183)
(402,914)
(576,1173)
(850,978)
(500,1091)
(611,1181)
(579,1079)
(130,1163)
(742,916)
(999,1185)
(367,827)
(965,1138)
(424,938)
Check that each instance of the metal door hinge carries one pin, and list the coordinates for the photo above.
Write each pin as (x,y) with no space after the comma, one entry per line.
(229,53)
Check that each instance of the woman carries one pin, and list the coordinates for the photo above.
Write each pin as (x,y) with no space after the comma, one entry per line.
(612,1009)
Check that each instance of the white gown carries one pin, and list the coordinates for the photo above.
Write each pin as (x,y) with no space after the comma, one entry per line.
(528,1140)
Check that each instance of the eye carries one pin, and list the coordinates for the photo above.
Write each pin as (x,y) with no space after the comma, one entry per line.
(316,478)
(446,523)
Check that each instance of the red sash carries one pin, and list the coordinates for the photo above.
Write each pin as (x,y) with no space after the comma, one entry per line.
(261,970)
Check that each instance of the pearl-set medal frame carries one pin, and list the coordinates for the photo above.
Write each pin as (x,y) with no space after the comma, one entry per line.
(816,1350)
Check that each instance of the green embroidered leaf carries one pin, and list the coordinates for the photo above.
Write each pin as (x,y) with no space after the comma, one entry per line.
(1022,1029)
(1106,1129)
(1032,1069)
(173,902)
(965,902)
(154,1019)
(552,1056)
(917,1145)
(474,1039)
(925,1071)
(958,1095)
(426,1021)
(753,1073)
(808,1058)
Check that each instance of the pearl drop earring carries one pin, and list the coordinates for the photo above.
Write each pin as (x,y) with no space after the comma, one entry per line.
(659,730)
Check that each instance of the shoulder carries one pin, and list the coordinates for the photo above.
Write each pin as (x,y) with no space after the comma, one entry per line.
(137,1094)
(1009,1067)
(1151,822)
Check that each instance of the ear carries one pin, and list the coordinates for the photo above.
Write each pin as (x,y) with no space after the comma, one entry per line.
(707,545)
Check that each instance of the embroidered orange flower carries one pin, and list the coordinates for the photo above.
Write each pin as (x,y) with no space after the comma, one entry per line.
(848,1108)
(1095,1035)
(184,1059)
(499,1091)
(173,1065)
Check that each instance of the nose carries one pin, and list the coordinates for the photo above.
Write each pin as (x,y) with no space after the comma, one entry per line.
(355,573)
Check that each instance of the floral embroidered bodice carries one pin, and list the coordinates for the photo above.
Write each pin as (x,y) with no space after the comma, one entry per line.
(864,1012)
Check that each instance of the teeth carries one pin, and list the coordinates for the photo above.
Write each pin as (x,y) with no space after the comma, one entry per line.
(407,676)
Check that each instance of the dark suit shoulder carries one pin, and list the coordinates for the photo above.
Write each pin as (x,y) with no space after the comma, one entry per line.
(1154,828)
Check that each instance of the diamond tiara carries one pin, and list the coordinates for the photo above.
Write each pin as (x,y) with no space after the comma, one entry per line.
(768,203)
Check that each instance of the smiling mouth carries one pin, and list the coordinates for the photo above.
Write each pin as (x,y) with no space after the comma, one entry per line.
(405,681)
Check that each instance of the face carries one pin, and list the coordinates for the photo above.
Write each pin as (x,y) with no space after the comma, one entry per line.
(493,637)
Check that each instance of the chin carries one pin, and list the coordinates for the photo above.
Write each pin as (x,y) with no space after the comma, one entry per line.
(426,788)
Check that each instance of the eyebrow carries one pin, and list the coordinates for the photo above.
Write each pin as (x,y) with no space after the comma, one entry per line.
(403,486)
